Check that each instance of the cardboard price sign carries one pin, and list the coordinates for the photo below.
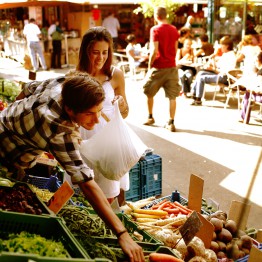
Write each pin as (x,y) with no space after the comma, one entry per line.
(196,186)
(60,197)
(190,228)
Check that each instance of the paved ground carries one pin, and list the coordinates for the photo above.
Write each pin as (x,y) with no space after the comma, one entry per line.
(209,142)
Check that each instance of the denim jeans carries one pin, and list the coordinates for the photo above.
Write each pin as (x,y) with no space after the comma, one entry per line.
(206,77)
(34,49)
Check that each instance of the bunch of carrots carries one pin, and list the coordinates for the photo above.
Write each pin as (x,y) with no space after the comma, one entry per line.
(172,208)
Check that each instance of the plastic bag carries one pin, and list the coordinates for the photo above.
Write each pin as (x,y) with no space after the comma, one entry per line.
(114,150)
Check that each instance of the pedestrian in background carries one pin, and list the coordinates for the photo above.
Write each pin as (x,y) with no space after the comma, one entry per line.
(162,66)
(55,33)
(32,33)
(112,24)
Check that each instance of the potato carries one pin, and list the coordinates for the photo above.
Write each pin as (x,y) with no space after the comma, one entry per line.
(222,246)
(246,241)
(224,235)
(231,226)
(221,255)
(214,246)
(217,223)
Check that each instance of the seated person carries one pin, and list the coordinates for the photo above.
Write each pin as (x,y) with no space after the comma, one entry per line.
(247,53)
(134,52)
(184,32)
(215,73)
(257,91)
(206,48)
(184,57)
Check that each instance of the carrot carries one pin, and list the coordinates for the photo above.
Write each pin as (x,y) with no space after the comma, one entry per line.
(171,210)
(160,257)
(160,203)
(183,209)
(165,204)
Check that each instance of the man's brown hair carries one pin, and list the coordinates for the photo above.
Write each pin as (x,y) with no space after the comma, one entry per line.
(160,12)
(81,91)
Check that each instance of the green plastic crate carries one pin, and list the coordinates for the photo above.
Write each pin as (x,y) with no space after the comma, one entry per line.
(12,257)
(46,226)
(151,176)
(35,199)
(134,193)
(131,227)
(148,248)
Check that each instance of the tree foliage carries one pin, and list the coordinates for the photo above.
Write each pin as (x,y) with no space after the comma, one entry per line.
(147,8)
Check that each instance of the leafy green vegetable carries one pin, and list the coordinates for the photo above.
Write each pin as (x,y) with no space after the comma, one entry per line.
(34,244)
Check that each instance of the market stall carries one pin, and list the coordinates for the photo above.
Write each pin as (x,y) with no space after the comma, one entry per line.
(172,227)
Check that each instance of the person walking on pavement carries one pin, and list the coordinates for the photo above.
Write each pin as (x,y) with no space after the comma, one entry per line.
(32,33)
(55,33)
(112,24)
(162,66)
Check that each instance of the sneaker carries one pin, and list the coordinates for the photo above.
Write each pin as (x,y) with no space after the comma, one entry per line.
(149,122)
(170,127)
(196,103)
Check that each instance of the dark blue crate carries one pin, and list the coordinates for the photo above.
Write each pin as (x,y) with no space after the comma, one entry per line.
(134,193)
(52,183)
(151,176)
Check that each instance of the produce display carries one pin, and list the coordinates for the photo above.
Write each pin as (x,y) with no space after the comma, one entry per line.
(163,218)
(27,243)
(9,89)
(228,241)
(151,222)
(20,198)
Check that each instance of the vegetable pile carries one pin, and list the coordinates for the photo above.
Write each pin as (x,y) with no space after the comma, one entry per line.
(9,89)
(26,243)
(228,241)
(19,198)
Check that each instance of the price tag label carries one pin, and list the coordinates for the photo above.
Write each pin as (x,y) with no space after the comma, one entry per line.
(60,197)
(191,227)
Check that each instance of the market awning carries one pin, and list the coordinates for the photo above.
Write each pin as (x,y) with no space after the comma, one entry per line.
(21,3)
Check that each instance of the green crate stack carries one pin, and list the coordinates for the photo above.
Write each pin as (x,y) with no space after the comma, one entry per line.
(134,193)
(46,226)
(145,178)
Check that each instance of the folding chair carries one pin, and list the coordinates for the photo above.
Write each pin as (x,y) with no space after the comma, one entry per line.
(121,62)
(234,87)
(250,100)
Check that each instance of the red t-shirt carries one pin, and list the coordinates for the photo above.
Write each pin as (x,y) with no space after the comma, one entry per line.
(166,35)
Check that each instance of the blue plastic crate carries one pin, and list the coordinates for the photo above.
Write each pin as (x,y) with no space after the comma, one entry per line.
(52,183)
(151,176)
(134,193)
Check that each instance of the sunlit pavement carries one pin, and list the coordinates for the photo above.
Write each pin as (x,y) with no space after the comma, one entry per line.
(209,142)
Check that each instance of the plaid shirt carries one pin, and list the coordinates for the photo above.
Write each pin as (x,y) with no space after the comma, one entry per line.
(38,123)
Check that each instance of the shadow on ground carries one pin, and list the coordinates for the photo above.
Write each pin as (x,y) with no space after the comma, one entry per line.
(179,163)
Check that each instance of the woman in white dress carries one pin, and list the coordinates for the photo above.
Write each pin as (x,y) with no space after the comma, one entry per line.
(95,58)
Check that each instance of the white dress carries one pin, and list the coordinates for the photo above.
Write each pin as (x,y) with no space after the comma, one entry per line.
(111,188)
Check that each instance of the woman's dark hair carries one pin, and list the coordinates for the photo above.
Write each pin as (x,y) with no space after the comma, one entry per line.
(183,31)
(80,92)
(93,35)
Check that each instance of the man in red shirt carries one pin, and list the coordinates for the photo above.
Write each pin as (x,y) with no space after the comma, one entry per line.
(162,66)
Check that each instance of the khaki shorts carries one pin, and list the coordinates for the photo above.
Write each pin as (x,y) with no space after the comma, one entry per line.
(166,78)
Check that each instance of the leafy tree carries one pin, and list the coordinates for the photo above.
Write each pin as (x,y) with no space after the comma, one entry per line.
(147,8)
